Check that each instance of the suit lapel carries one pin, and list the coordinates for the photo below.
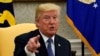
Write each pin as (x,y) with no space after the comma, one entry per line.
(57,46)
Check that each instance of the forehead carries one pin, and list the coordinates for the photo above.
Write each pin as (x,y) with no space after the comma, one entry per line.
(51,12)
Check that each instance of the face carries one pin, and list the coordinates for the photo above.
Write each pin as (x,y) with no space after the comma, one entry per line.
(48,22)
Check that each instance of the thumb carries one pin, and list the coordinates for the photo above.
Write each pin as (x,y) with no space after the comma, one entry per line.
(38,44)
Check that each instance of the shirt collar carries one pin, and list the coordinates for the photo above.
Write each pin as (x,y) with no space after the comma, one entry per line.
(45,38)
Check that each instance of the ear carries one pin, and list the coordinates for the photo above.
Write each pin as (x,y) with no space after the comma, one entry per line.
(37,23)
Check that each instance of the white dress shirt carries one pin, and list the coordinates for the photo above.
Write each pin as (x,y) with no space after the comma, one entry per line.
(45,38)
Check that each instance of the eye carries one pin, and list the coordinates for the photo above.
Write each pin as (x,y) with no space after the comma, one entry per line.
(54,17)
(46,17)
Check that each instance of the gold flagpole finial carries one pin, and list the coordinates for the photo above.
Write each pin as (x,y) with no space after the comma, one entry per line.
(87,1)
(6,1)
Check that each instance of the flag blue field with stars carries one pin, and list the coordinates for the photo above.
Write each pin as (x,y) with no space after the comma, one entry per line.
(6,13)
(84,18)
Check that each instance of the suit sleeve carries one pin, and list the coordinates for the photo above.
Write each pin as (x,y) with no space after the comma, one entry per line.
(19,46)
(28,52)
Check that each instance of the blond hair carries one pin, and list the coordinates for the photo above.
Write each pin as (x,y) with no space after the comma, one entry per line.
(46,7)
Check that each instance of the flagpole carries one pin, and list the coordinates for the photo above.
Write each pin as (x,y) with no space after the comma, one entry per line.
(82,48)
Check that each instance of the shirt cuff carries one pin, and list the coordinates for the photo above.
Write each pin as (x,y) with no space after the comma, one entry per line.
(28,52)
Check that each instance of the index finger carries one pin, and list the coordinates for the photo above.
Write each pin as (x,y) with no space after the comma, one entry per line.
(36,38)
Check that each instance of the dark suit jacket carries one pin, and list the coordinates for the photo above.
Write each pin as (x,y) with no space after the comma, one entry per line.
(21,41)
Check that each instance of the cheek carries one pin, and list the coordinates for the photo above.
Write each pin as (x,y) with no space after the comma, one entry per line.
(43,25)
(57,24)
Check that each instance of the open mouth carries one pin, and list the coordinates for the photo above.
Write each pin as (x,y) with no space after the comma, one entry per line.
(52,28)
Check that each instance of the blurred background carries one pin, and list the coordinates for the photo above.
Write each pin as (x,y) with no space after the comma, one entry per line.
(24,11)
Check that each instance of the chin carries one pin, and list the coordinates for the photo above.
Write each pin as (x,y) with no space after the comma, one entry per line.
(52,33)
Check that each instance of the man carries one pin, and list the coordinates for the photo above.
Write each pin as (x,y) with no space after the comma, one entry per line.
(36,43)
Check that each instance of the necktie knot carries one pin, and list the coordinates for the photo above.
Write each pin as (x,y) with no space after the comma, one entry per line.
(49,40)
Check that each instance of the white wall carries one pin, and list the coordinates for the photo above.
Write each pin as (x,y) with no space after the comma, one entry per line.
(25,12)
